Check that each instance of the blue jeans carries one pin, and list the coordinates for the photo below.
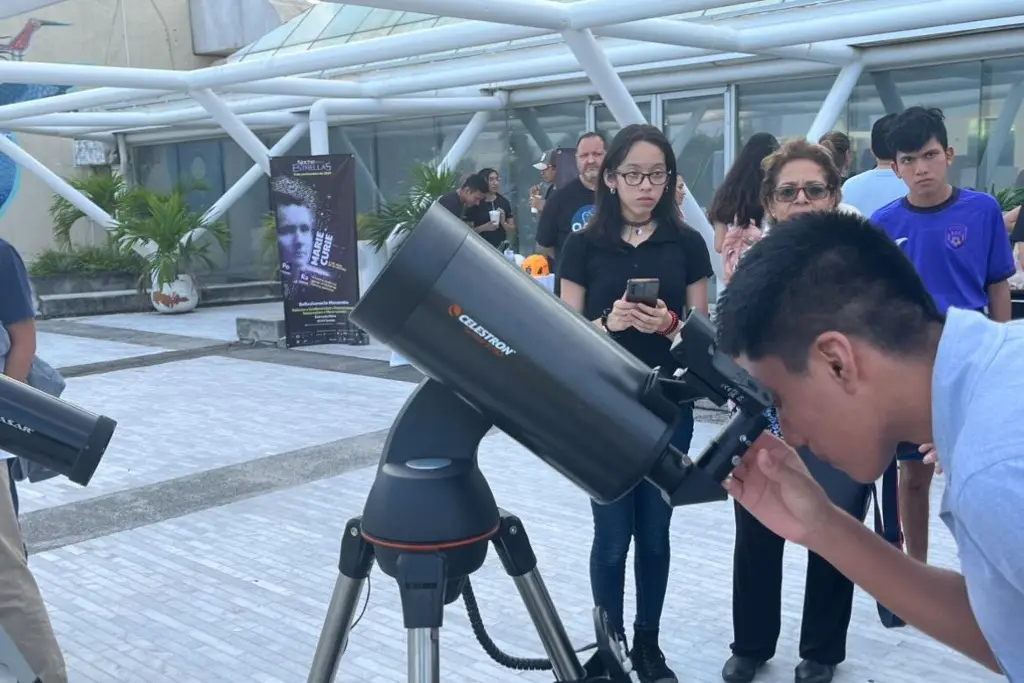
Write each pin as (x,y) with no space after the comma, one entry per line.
(641,514)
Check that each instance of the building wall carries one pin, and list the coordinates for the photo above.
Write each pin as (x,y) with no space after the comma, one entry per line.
(151,34)
(974,96)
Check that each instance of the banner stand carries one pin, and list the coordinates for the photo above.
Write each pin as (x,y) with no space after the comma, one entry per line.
(313,201)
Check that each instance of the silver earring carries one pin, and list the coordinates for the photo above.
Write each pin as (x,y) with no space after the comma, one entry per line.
(613,190)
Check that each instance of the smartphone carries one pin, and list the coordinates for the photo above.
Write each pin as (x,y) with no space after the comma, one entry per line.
(643,291)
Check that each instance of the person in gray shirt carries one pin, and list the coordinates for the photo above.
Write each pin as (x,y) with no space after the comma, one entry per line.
(832,318)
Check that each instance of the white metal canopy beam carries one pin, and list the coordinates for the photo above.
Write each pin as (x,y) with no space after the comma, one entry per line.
(557,17)
(465,140)
(836,99)
(234,127)
(253,175)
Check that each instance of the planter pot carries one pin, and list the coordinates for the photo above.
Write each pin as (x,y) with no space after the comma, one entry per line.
(180,296)
(371,262)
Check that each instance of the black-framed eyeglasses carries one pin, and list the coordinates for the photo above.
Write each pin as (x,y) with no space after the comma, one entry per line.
(813,192)
(634,178)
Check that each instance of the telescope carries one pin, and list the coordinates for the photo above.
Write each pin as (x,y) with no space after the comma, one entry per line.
(51,432)
(498,350)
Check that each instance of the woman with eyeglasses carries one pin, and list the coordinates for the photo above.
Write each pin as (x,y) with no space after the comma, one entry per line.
(800,177)
(637,232)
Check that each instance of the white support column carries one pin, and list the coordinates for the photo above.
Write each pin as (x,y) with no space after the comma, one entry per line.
(253,175)
(835,100)
(62,187)
(601,72)
(233,126)
(319,133)
(465,140)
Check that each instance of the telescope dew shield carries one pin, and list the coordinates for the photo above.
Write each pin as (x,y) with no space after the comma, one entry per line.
(51,432)
(466,317)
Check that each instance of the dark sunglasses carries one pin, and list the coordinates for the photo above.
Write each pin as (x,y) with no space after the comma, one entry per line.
(813,191)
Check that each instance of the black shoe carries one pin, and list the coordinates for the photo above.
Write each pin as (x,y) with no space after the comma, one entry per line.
(648,661)
(810,671)
(741,669)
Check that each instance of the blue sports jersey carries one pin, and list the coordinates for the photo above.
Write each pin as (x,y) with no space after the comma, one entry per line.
(959,247)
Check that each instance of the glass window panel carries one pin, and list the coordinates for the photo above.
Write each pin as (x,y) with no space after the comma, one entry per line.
(401,145)
(312,24)
(346,21)
(380,18)
(696,127)
(359,141)
(953,88)
(413,17)
(1002,160)
(274,39)
(783,108)
(605,123)
(250,256)
(532,131)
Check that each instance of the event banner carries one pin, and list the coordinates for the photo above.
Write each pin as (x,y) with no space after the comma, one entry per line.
(313,200)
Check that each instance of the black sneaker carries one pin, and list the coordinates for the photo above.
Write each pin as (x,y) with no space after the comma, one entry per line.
(649,661)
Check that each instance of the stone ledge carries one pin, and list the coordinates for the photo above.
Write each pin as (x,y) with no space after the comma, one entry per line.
(132,301)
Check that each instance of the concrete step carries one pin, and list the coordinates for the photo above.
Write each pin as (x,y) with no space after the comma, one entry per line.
(133,301)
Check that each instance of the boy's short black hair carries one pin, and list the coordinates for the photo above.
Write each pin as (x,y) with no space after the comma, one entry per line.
(475,182)
(915,127)
(881,148)
(822,272)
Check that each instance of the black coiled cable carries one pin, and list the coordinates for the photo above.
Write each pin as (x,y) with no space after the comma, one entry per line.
(492,650)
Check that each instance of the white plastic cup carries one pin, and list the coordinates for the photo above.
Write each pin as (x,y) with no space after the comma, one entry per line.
(495,216)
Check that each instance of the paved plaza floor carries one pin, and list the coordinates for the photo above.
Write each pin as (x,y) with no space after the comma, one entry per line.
(205,549)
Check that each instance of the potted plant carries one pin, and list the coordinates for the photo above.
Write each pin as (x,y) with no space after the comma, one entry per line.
(176,240)
(386,229)
(103,188)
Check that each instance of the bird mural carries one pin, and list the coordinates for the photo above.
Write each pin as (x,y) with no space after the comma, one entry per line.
(13,49)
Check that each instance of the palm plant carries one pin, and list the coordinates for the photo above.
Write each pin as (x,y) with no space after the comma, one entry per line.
(428,182)
(1009,198)
(165,225)
(105,189)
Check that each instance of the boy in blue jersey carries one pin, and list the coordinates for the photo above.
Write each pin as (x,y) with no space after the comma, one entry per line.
(956,238)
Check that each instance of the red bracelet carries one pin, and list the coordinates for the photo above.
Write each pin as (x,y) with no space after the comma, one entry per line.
(672,323)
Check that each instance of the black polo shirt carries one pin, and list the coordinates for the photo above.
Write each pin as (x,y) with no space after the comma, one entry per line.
(677,258)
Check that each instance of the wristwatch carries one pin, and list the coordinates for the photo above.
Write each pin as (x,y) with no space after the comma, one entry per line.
(604,320)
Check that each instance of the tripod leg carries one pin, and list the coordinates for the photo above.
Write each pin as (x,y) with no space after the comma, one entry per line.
(422,583)
(513,547)
(354,566)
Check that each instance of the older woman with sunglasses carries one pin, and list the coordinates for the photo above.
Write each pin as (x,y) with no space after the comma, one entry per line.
(800,177)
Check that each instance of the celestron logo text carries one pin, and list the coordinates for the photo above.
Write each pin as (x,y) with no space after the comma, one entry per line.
(481,333)
(17,425)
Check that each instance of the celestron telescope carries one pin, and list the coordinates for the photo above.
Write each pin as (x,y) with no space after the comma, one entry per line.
(499,350)
(59,436)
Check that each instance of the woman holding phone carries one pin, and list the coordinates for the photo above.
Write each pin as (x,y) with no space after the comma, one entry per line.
(636,235)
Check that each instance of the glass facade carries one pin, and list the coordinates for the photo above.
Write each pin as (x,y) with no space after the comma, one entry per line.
(981,100)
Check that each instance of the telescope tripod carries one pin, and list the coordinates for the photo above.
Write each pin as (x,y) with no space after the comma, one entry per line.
(427,522)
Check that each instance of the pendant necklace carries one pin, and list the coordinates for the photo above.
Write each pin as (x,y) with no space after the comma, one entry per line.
(638,228)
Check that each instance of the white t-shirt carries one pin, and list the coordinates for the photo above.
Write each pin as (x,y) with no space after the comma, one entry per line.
(871,190)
